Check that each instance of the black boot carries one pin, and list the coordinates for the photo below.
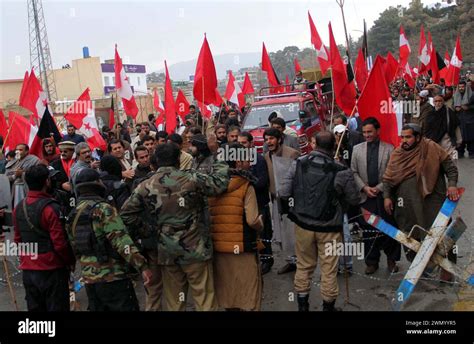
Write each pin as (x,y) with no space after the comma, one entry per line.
(329,307)
(303,304)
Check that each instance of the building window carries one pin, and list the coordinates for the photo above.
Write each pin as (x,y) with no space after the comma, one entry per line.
(107,80)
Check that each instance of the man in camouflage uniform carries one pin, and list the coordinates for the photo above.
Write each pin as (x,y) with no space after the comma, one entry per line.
(104,248)
(176,202)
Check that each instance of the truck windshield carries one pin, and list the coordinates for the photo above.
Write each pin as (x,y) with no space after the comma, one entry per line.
(258,115)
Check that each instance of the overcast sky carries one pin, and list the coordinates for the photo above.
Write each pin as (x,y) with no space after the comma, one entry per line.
(147,32)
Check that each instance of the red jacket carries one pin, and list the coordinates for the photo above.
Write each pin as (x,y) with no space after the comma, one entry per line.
(62,255)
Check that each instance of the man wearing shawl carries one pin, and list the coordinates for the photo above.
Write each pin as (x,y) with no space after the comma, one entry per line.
(464,107)
(414,183)
(15,171)
(442,127)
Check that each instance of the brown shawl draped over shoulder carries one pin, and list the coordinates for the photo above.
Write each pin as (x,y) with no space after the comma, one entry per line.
(424,161)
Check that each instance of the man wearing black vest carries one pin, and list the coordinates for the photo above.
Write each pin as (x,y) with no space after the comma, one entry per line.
(46,267)
(318,190)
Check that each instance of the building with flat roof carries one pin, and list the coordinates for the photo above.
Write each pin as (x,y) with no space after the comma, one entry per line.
(87,72)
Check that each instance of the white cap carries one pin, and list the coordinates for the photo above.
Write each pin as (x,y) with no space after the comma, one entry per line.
(339,129)
(424,94)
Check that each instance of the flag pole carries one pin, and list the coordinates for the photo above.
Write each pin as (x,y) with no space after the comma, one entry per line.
(202,104)
(9,129)
(341,5)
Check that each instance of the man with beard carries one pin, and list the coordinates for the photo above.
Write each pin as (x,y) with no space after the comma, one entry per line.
(60,180)
(202,157)
(15,171)
(72,136)
(464,107)
(441,126)
(414,184)
(221,134)
(63,164)
(260,171)
(233,134)
(283,228)
(235,223)
(49,151)
(425,108)
(185,159)
(84,160)
(448,97)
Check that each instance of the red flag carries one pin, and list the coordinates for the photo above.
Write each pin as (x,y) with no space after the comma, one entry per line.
(297,66)
(124,90)
(205,110)
(219,99)
(430,49)
(112,115)
(33,97)
(391,68)
(20,131)
(447,58)
(434,67)
(361,72)
(404,48)
(443,73)
(157,103)
(205,79)
(321,51)
(247,88)
(23,86)
(170,111)
(3,125)
(47,129)
(408,75)
(375,101)
(88,123)
(181,105)
(233,93)
(268,67)
(344,92)
(424,52)
(79,109)
(454,70)
(160,119)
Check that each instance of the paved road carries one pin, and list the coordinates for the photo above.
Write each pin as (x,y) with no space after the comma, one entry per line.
(365,293)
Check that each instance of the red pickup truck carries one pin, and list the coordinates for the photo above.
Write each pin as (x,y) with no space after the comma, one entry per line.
(304,111)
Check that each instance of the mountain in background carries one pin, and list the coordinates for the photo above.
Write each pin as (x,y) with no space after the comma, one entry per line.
(182,70)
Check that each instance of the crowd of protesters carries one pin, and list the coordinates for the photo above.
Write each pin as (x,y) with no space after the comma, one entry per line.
(166,206)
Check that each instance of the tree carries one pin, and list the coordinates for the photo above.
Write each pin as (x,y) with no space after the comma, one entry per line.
(443,23)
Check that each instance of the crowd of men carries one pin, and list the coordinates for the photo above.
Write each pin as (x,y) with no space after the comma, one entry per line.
(190,223)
